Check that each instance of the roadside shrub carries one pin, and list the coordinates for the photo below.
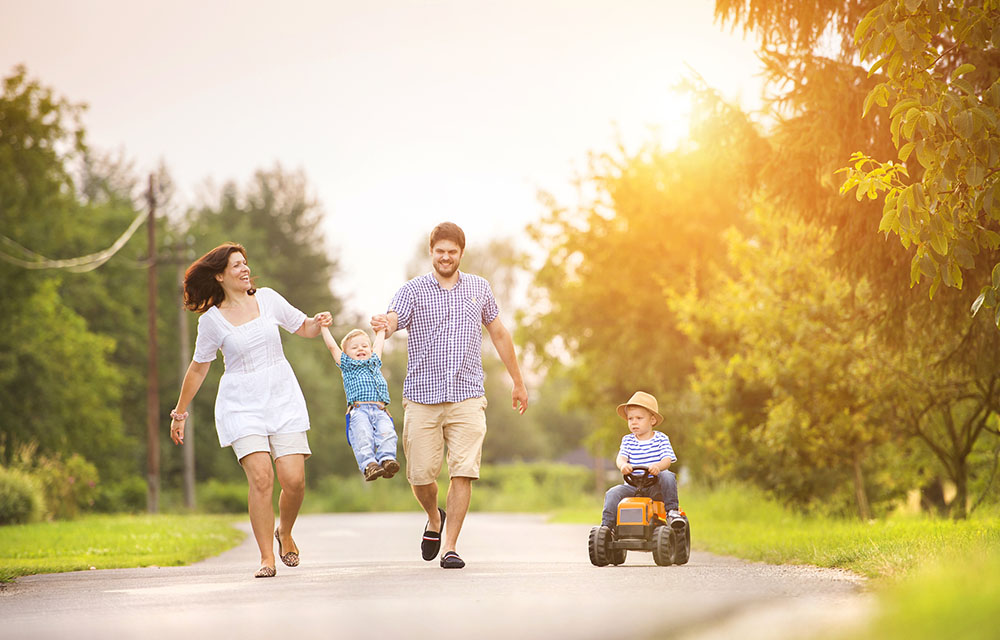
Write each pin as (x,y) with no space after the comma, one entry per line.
(534,486)
(20,499)
(126,496)
(222,497)
(69,486)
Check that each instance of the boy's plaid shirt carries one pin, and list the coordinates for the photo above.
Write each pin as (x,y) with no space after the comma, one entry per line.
(444,337)
(363,379)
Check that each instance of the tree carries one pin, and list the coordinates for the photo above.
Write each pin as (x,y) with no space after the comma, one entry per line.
(58,385)
(793,389)
(940,77)
(822,94)
(653,221)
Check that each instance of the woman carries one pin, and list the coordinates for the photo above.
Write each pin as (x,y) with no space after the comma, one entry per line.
(259,410)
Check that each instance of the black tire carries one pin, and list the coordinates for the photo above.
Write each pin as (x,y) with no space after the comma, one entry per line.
(663,546)
(598,546)
(682,541)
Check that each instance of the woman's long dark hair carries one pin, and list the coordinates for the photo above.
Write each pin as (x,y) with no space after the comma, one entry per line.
(201,290)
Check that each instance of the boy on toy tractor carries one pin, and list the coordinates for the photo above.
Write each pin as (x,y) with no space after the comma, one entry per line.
(642,514)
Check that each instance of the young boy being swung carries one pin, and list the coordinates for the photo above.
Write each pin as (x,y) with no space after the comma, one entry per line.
(643,446)
(370,430)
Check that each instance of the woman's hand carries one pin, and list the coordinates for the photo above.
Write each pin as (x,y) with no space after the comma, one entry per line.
(323,318)
(177,430)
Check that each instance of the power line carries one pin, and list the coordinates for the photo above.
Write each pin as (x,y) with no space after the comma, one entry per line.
(77,265)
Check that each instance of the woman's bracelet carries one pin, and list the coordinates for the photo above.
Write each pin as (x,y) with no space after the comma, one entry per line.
(179,417)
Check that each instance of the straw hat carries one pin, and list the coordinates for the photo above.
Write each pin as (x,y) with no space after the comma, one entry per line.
(644,400)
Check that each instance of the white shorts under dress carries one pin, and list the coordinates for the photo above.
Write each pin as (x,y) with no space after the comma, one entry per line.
(258,393)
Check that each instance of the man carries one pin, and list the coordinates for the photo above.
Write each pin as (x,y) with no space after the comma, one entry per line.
(444,399)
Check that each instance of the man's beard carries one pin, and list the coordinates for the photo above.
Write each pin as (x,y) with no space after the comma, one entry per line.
(441,269)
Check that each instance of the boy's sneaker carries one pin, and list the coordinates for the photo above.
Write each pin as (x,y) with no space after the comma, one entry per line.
(389,468)
(373,471)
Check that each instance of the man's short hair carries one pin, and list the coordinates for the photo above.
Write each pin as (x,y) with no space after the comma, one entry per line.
(448,231)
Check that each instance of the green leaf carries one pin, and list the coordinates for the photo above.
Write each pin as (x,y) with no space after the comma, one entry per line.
(996,317)
(890,219)
(996,276)
(913,5)
(975,175)
(956,274)
(939,243)
(927,265)
(902,106)
(963,124)
(977,303)
(924,155)
(934,288)
(869,99)
(992,239)
(863,26)
(905,152)
(962,70)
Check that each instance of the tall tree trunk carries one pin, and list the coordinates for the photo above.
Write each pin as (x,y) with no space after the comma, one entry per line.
(864,510)
(960,505)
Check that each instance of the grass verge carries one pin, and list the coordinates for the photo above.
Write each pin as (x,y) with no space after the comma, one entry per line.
(113,541)
(934,578)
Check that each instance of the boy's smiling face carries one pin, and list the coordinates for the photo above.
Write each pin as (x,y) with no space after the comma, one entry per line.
(640,421)
(358,348)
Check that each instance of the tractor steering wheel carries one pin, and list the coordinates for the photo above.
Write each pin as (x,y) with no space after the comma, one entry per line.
(640,481)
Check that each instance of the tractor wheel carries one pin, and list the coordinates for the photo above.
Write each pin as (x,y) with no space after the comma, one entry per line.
(682,541)
(663,546)
(598,546)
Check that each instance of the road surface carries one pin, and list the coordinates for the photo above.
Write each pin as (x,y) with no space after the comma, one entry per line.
(362,576)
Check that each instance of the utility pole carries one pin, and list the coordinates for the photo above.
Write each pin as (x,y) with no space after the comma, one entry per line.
(152,379)
(183,337)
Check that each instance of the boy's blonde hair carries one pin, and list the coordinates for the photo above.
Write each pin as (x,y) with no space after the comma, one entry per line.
(352,334)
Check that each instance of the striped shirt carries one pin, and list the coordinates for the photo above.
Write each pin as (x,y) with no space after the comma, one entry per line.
(363,379)
(444,337)
(646,452)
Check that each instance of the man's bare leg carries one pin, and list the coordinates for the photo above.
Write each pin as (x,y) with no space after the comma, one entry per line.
(427,496)
(459,496)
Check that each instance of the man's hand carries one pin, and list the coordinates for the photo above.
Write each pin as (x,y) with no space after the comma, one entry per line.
(380,322)
(626,469)
(519,398)
(654,469)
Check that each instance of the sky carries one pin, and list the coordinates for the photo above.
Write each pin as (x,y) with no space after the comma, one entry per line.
(400,114)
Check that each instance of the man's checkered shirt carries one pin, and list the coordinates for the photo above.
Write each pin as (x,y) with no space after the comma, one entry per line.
(444,337)
(363,379)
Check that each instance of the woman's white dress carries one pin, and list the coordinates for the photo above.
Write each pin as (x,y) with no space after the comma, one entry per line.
(258,393)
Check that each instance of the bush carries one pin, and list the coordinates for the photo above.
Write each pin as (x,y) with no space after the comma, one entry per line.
(20,499)
(127,496)
(222,497)
(533,486)
(69,486)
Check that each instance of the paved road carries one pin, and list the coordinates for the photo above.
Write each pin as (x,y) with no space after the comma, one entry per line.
(362,574)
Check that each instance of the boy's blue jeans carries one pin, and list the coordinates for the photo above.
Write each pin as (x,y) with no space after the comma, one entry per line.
(371,434)
(665,490)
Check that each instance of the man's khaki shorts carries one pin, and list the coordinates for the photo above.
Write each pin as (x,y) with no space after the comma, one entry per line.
(428,428)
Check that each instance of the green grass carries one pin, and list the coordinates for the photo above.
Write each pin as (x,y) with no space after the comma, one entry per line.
(109,542)
(741,522)
(934,578)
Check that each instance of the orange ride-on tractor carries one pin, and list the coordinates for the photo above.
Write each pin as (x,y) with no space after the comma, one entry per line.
(643,525)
